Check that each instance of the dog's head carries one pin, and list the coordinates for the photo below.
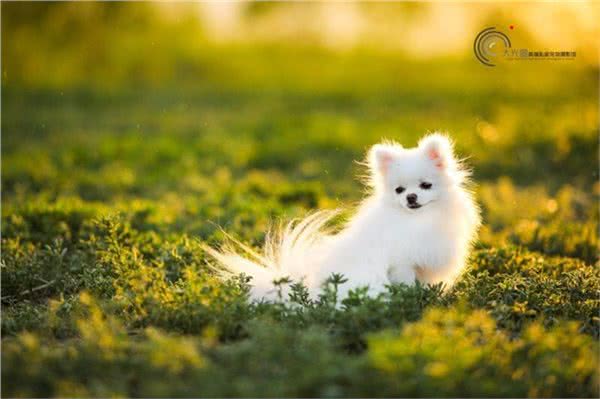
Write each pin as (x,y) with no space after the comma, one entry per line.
(413,178)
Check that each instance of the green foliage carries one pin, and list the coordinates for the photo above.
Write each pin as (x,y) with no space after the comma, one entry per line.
(518,286)
(102,361)
(457,352)
(463,354)
(152,288)
(117,165)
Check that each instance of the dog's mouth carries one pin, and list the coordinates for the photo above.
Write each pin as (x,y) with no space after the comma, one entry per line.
(414,206)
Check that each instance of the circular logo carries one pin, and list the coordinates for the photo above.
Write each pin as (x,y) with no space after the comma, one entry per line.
(489,45)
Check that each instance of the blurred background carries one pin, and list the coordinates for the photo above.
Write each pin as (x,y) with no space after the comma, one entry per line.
(175,102)
(108,45)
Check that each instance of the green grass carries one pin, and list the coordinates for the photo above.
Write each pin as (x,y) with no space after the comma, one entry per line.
(109,191)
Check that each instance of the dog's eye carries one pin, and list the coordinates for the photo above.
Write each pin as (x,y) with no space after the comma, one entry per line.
(399,190)
(425,185)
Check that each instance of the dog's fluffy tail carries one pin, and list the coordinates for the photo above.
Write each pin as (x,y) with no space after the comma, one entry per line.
(292,251)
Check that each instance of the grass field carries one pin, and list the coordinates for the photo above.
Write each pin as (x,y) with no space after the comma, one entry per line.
(109,189)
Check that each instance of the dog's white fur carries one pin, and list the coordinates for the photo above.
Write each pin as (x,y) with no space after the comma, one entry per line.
(386,240)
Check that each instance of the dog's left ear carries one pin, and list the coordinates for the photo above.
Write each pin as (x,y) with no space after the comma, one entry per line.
(381,156)
(439,149)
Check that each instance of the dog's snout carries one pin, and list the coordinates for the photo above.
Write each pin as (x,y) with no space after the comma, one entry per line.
(411,198)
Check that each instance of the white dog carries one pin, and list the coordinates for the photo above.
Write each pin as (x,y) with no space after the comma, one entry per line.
(417,223)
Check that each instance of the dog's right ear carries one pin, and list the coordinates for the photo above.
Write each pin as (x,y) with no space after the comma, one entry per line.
(439,149)
(381,156)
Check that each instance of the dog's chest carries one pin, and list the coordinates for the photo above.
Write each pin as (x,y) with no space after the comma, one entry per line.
(418,237)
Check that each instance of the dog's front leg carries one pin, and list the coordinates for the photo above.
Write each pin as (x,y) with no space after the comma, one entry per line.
(401,273)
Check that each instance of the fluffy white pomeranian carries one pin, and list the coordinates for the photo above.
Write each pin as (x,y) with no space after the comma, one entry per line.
(418,222)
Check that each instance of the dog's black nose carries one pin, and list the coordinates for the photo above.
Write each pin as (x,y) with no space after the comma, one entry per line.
(411,198)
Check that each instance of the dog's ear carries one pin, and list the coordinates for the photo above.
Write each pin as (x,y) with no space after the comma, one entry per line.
(381,156)
(439,149)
